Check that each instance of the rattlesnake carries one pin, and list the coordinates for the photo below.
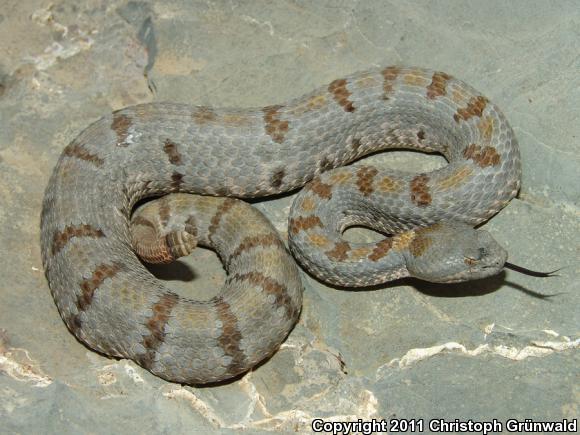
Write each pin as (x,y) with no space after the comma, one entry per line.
(109,300)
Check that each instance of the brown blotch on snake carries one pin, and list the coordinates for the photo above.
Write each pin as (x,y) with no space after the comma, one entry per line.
(231,336)
(120,125)
(339,252)
(277,178)
(274,126)
(61,238)
(89,285)
(79,152)
(341,94)
(203,115)
(215,220)
(438,86)
(261,240)
(483,156)
(156,327)
(381,249)
(420,194)
(390,75)
(419,244)
(272,287)
(304,223)
(170,148)
(365,177)
(321,189)
(475,107)
(176,181)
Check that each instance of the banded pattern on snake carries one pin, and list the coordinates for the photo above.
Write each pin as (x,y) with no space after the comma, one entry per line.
(109,300)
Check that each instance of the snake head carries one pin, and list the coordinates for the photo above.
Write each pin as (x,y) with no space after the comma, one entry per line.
(454,252)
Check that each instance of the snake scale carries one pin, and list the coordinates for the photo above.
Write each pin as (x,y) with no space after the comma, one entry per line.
(114,305)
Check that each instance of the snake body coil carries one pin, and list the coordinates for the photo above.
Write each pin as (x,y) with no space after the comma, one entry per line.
(111,303)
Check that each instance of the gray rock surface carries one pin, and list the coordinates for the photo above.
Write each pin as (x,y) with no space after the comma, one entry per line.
(480,350)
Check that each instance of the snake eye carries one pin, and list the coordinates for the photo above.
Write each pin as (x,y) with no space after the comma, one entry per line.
(470,261)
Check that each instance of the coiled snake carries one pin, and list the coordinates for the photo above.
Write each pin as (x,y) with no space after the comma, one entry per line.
(114,305)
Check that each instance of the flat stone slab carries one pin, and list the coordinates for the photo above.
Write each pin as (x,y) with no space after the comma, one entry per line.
(505,347)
